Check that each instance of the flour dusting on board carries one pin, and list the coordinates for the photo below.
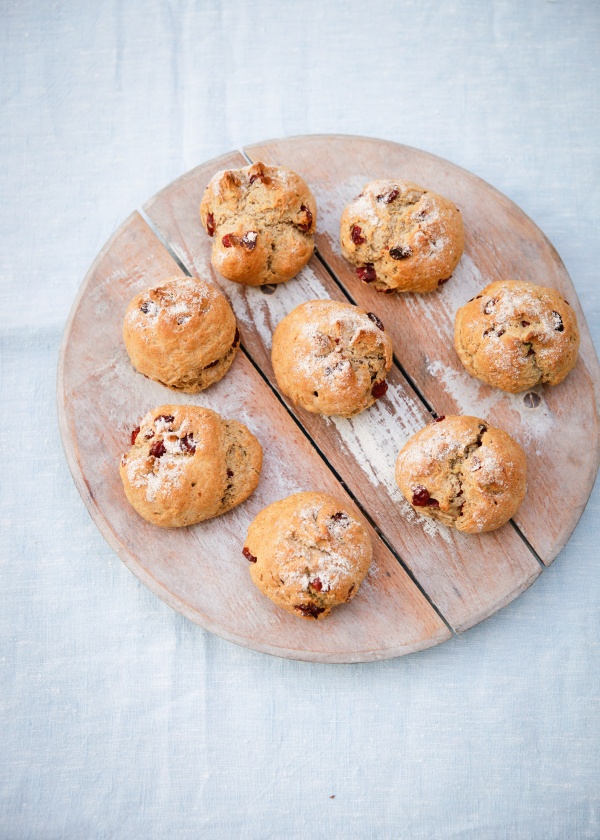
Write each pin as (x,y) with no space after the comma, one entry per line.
(331,199)
(470,398)
(265,310)
(375,436)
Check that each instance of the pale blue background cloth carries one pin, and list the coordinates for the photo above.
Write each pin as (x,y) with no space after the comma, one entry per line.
(120,719)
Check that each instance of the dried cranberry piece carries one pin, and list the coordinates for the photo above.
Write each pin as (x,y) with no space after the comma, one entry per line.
(248,555)
(248,240)
(167,418)
(236,338)
(134,434)
(489,306)
(210,224)
(376,320)
(187,442)
(316,584)
(420,496)
(440,418)
(525,323)
(400,252)
(228,240)
(157,450)
(229,473)
(340,516)
(558,324)
(366,273)
(387,198)
(356,235)
(305,226)
(145,307)
(309,610)
(379,389)
(433,503)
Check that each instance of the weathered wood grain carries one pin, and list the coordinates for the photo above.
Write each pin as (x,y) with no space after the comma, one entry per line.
(467,577)
(200,571)
(561,435)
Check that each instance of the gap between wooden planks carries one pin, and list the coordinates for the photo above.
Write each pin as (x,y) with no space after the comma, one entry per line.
(467,577)
(200,570)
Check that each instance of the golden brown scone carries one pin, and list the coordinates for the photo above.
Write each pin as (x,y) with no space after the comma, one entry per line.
(331,357)
(308,553)
(187,464)
(464,473)
(514,335)
(181,332)
(402,237)
(263,220)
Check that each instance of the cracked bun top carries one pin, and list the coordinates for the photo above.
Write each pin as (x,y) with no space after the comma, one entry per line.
(331,358)
(187,464)
(515,335)
(262,220)
(308,553)
(182,333)
(464,473)
(402,237)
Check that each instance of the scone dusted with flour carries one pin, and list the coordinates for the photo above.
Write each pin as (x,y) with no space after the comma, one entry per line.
(515,335)
(187,464)
(464,473)
(182,333)
(331,358)
(262,220)
(308,553)
(402,237)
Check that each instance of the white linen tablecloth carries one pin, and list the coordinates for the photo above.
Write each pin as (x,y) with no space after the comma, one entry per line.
(120,719)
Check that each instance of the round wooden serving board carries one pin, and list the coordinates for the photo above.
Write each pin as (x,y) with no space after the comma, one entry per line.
(426,580)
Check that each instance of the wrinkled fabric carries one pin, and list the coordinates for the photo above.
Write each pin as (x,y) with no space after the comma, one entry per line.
(120,719)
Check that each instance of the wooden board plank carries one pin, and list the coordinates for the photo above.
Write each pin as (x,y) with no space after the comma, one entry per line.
(561,435)
(200,570)
(467,577)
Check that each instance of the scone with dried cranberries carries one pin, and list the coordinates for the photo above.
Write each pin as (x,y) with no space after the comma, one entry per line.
(515,335)
(308,553)
(262,220)
(402,237)
(331,358)
(181,332)
(187,464)
(464,473)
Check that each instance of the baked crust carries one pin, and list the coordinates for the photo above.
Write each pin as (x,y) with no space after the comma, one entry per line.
(182,333)
(515,335)
(308,553)
(331,358)
(402,237)
(186,464)
(262,220)
(464,473)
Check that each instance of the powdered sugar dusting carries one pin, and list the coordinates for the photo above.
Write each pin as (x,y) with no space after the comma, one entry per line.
(162,475)
(333,559)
